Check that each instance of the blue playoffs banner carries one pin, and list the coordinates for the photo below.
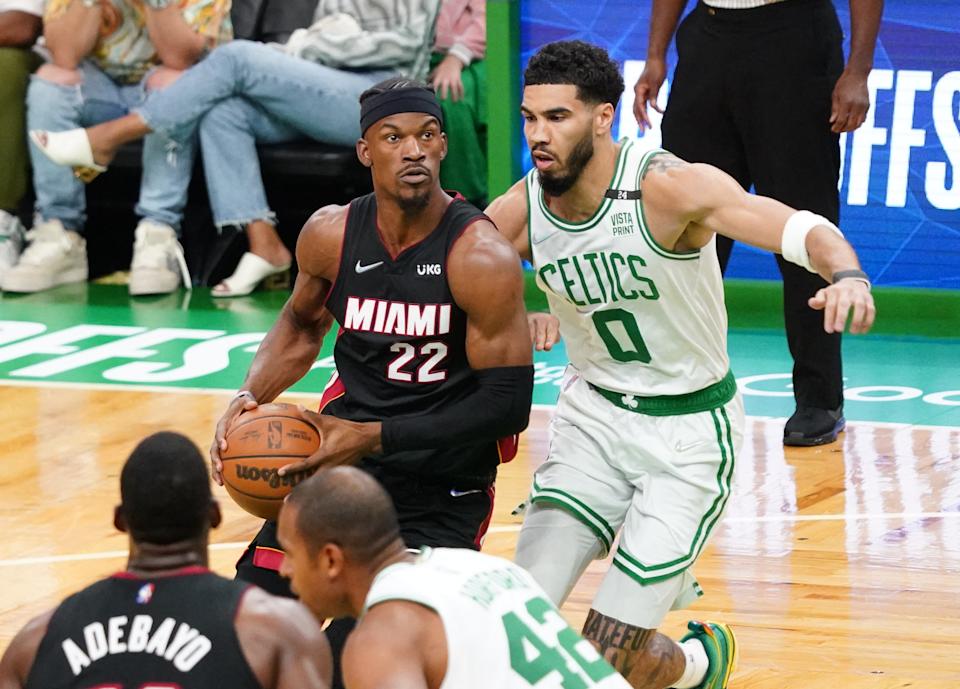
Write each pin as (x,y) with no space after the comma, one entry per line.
(900,176)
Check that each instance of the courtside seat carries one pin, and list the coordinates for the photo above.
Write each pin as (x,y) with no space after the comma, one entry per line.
(308,158)
(299,176)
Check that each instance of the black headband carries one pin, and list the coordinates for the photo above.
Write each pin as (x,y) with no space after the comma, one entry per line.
(397,100)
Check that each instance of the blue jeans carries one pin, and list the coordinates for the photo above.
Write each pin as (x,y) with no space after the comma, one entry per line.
(244,93)
(167,164)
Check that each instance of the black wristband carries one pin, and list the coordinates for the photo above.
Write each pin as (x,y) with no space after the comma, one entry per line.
(852,274)
(497,408)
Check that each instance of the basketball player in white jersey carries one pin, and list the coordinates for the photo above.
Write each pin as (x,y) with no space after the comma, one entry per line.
(649,423)
(438,617)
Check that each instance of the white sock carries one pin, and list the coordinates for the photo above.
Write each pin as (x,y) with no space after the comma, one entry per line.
(697,664)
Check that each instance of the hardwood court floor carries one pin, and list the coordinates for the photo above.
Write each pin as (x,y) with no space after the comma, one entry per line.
(838,566)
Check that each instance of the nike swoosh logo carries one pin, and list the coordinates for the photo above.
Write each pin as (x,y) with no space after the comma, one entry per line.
(454,493)
(542,238)
(363,269)
(681,447)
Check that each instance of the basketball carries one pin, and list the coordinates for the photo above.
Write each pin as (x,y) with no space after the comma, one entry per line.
(259,443)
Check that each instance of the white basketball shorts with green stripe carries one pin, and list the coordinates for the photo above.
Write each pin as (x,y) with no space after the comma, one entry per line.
(664,479)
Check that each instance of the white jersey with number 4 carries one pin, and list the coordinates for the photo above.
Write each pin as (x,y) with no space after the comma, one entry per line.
(636,317)
(501,630)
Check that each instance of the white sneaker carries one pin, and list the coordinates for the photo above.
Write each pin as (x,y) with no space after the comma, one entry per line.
(158,264)
(11,241)
(55,256)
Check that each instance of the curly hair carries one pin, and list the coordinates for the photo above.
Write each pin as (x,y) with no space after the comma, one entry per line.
(586,66)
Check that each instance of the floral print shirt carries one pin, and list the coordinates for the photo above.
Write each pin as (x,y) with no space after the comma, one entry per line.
(124,50)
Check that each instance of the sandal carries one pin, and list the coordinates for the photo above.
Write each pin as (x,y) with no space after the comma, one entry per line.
(71,148)
(250,272)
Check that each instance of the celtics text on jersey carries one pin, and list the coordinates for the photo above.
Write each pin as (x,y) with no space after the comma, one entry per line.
(637,317)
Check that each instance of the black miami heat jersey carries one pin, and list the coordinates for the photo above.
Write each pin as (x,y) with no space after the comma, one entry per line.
(128,632)
(401,348)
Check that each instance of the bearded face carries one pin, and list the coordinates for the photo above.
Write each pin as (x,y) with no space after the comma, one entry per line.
(560,129)
(560,176)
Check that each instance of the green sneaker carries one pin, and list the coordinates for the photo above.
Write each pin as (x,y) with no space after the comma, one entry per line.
(721,647)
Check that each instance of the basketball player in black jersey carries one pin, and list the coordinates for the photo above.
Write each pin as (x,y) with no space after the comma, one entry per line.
(433,353)
(166,620)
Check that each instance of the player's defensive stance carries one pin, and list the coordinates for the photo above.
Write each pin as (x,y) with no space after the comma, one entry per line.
(649,423)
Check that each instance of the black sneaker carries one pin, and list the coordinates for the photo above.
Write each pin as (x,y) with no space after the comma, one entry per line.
(812,426)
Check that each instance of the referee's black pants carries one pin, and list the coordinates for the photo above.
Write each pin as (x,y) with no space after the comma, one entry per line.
(751,95)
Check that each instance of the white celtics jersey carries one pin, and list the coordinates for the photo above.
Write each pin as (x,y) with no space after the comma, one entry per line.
(501,630)
(637,318)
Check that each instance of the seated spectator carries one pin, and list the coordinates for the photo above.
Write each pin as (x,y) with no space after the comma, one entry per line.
(106,57)
(459,76)
(19,29)
(271,21)
(246,93)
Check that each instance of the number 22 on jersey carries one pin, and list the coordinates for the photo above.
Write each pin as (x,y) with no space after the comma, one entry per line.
(426,372)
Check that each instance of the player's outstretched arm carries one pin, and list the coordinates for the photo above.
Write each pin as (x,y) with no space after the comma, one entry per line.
(509,213)
(20,654)
(397,645)
(283,643)
(688,203)
(291,347)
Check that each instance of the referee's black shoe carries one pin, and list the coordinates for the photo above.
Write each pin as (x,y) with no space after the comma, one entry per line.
(812,426)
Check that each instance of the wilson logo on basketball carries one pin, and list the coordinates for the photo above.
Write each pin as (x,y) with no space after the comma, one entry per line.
(269,476)
(275,435)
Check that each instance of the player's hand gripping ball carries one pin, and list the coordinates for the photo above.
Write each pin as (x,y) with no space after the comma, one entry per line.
(258,444)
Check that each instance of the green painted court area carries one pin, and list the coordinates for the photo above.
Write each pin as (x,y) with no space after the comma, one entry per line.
(908,371)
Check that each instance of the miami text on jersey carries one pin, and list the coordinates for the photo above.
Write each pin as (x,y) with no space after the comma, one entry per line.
(397,317)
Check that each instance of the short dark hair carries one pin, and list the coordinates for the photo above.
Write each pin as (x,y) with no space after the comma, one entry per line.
(586,66)
(346,506)
(165,490)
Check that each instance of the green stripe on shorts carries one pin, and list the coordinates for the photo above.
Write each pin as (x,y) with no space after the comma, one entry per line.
(647,574)
(578,508)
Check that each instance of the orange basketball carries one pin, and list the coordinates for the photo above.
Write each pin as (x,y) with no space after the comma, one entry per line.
(259,443)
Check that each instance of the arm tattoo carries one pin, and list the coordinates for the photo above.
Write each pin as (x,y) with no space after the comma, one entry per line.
(647,659)
(662,162)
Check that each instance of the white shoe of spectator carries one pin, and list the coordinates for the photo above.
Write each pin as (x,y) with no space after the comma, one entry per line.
(158,265)
(55,256)
(11,241)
